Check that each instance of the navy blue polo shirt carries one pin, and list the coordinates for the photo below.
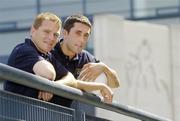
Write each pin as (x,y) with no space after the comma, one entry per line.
(23,57)
(76,64)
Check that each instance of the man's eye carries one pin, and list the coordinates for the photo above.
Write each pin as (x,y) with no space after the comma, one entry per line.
(56,35)
(86,35)
(47,32)
(78,33)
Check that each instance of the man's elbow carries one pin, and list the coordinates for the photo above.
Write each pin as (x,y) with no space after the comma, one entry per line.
(44,69)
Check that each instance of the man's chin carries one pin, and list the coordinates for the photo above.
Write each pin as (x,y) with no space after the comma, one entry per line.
(78,51)
(48,49)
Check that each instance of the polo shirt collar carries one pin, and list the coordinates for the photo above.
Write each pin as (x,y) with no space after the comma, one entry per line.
(29,41)
(58,47)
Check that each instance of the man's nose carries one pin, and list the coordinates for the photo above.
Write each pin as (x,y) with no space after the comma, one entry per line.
(81,39)
(51,36)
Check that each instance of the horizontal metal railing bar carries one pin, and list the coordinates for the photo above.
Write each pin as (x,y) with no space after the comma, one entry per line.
(24,78)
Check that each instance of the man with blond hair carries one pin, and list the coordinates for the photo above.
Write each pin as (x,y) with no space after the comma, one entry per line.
(34,56)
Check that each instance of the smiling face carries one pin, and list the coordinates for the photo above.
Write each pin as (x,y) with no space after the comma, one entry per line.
(45,31)
(45,36)
(76,39)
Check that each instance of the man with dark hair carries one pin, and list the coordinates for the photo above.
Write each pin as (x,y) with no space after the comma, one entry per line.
(70,52)
(34,56)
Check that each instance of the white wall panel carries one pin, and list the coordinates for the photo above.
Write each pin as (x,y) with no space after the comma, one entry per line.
(175,38)
(140,53)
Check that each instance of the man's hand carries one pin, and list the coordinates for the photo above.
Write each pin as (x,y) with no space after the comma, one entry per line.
(91,71)
(46,96)
(107,94)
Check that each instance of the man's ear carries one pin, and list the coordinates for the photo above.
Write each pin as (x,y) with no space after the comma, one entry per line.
(32,30)
(64,32)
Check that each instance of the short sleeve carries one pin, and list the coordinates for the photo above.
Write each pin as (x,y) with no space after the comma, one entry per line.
(88,57)
(24,58)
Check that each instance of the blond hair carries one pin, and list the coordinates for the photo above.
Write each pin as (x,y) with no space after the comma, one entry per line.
(46,16)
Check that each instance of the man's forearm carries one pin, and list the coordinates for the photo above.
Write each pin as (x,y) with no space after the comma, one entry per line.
(68,80)
(89,86)
(112,77)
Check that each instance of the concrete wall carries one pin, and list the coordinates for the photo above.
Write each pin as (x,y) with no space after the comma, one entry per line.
(175,48)
(142,55)
(153,7)
(10,40)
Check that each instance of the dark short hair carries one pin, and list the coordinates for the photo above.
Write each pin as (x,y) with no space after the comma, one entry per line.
(69,22)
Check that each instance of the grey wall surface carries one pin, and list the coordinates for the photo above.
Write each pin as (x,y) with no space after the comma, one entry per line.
(142,55)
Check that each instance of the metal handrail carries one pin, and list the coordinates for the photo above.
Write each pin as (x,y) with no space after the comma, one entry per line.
(24,78)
